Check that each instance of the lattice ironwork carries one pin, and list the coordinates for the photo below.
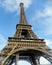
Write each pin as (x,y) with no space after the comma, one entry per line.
(25,43)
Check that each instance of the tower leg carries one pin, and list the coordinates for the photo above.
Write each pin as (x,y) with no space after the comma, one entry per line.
(37,60)
(33,60)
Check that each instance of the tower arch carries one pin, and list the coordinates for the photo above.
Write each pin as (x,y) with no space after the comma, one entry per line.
(27,51)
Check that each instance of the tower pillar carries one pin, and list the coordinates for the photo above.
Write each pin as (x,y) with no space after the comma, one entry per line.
(38,60)
(17,59)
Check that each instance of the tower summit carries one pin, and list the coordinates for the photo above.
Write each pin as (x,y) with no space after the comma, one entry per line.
(23,19)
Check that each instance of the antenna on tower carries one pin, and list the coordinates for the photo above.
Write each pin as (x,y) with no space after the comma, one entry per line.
(23,19)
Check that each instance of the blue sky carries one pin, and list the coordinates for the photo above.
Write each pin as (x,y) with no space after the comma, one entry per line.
(38,14)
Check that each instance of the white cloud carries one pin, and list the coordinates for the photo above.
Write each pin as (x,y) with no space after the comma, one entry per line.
(13,5)
(2,38)
(44,61)
(2,41)
(23,62)
(48,42)
(48,26)
(46,12)
(44,18)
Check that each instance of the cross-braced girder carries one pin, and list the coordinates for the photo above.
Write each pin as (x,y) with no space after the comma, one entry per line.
(49,58)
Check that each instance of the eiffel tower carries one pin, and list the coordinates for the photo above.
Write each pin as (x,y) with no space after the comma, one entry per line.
(24,45)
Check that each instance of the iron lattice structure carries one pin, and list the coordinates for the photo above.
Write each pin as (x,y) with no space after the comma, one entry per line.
(24,45)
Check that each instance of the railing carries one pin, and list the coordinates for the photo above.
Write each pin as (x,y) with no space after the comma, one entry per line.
(15,39)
